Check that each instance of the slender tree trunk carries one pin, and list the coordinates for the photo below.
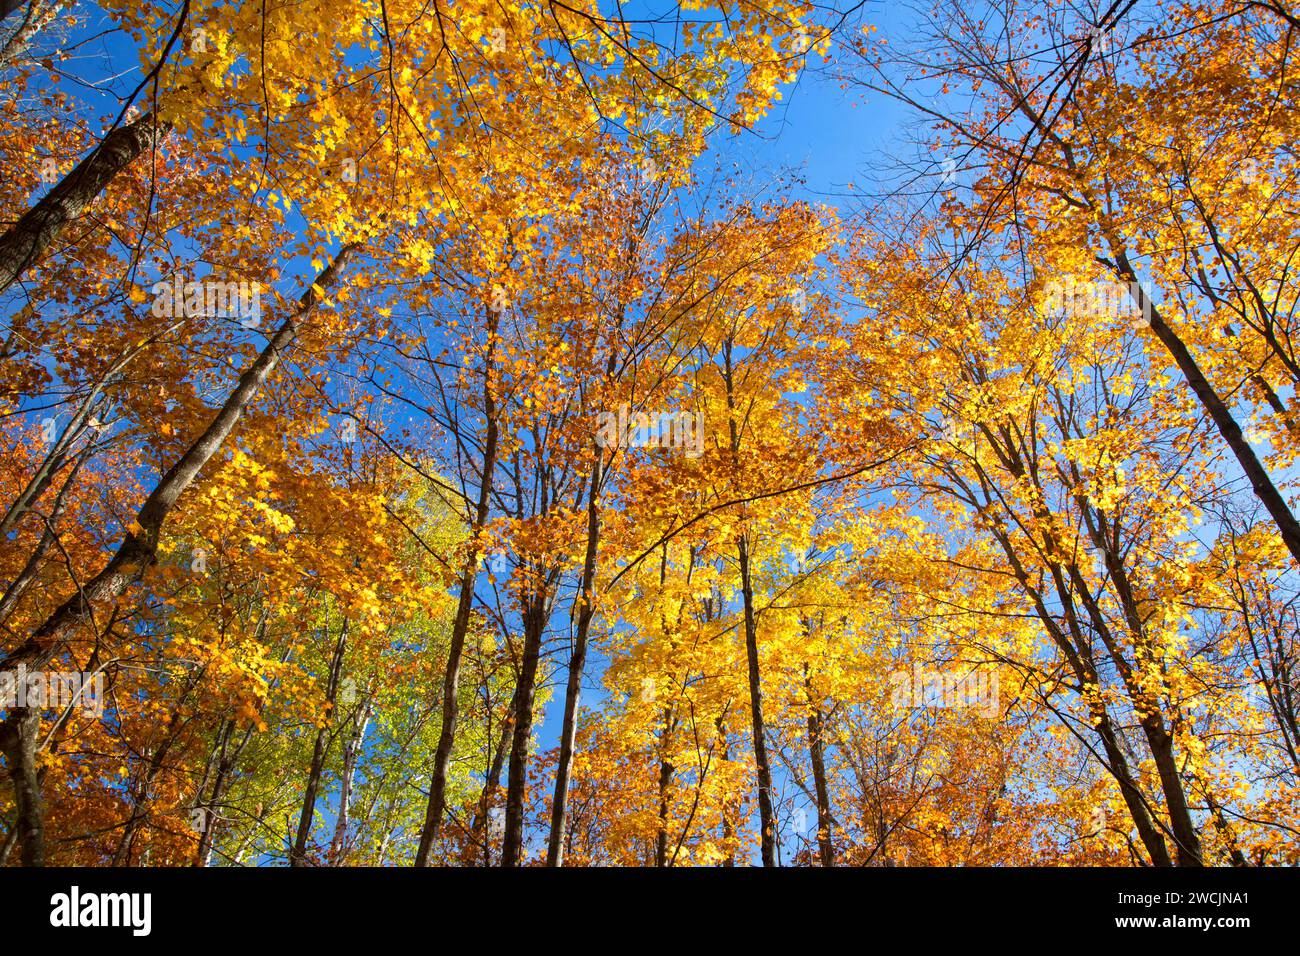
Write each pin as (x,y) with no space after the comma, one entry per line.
(219,744)
(1218,410)
(577,662)
(450,710)
(1085,672)
(1187,842)
(666,771)
(728,828)
(58,456)
(460,625)
(19,585)
(142,793)
(225,766)
(1159,741)
(491,784)
(1070,585)
(817,756)
(512,846)
(138,549)
(39,15)
(298,852)
(766,815)
(351,749)
(27,240)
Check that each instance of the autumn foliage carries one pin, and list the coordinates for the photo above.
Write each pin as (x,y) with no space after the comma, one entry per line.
(421,445)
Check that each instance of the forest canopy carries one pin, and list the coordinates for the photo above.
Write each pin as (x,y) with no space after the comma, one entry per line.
(463,434)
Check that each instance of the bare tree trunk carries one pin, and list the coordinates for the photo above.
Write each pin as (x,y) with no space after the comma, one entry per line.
(460,626)
(351,749)
(1160,742)
(817,756)
(525,691)
(666,771)
(27,240)
(728,828)
(298,852)
(1187,842)
(766,816)
(226,761)
(1077,652)
(1219,413)
(490,786)
(577,662)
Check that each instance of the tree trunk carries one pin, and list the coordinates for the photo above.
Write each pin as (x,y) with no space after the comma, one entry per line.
(225,765)
(666,771)
(356,740)
(1219,413)
(1187,842)
(490,786)
(18,736)
(728,828)
(27,240)
(1159,741)
(577,662)
(38,16)
(817,756)
(1085,672)
(766,816)
(298,852)
(512,846)
(460,625)
(138,549)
